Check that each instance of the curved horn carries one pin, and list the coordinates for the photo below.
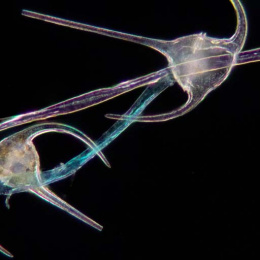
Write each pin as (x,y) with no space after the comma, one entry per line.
(240,34)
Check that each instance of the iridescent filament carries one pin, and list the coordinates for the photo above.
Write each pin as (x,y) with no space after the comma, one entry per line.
(198,63)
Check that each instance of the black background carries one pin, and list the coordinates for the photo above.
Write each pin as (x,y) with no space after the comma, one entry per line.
(180,189)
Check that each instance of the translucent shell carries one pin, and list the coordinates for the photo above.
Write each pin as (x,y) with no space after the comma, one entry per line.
(197,62)
(20,167)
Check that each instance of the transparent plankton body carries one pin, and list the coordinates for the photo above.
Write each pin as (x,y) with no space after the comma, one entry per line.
(197,62)
(20,167)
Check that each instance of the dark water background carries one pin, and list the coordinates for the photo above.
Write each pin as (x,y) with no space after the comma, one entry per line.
(182,189)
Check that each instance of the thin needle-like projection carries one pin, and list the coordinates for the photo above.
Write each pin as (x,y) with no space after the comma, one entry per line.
(20,167)
(198,63)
